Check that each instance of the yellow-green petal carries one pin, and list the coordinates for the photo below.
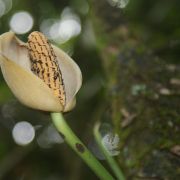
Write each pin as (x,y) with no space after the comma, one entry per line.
(28,88)
(71,75)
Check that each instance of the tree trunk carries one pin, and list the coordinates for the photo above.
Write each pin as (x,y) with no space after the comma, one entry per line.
(139,58)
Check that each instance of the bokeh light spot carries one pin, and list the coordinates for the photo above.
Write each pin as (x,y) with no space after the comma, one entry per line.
(69,28)
(111,143)
(21,22)
(23,133)
(2,8)
(118,3)
(63,29)
(49,137)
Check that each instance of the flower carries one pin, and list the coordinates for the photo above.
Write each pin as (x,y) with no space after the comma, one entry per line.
(39,74)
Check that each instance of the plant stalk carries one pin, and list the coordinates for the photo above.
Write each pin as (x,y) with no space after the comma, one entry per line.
(112,163)
(74,142)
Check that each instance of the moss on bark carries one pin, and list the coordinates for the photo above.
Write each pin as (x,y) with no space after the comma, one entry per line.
(142,91)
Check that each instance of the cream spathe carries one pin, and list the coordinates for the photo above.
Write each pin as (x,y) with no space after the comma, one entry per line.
(27,87)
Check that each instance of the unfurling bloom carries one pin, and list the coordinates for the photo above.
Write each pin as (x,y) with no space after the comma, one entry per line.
(39,74)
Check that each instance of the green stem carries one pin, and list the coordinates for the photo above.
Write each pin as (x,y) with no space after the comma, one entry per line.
(79,147)
(112,163)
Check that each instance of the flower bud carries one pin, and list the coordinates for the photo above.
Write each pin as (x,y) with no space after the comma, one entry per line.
(39,74)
